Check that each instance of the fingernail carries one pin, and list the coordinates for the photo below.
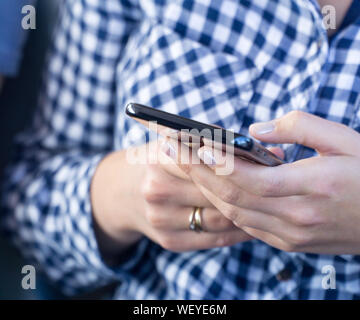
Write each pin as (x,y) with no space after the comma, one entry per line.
(169,150)
(263,127)
(207,157)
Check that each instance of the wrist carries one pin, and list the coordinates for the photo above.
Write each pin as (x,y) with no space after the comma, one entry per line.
(113,208)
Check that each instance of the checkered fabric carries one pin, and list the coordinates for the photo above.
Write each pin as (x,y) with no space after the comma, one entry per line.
(226,62)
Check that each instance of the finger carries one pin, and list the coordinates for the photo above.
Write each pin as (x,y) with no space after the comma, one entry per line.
(189,240)
(188,195)
(327,137)
(286,208)
(280,181)
(178,219)
(159,187)
(164,149)
(180,153)
(277,151)
(230,193)
(250,218)
(268,238)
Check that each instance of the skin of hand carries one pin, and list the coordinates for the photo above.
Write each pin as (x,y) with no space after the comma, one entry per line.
(311,205)
(130,201)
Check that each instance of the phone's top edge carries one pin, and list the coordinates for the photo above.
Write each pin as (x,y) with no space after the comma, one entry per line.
(136,110)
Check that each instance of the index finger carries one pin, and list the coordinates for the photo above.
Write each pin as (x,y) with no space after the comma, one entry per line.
(281,181)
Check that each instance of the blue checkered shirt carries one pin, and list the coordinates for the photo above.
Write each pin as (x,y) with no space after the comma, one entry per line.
(226,62)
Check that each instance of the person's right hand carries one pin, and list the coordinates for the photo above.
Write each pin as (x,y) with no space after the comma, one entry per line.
(155,200)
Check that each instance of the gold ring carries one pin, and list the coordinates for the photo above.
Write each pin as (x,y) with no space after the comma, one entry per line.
(195,220)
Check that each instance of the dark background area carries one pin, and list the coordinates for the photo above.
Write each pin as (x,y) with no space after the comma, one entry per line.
(18,99)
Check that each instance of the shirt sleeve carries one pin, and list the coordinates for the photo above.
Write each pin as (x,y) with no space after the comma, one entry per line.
(46,201)
(12,35)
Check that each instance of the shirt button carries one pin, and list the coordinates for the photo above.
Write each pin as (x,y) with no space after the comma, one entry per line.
(284,275)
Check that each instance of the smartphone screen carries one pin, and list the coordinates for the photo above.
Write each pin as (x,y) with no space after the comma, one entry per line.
(184,129)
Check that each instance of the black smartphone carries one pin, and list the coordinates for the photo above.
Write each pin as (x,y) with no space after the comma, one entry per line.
(184,129)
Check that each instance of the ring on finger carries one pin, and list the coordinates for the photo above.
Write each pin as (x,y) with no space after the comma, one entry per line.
(195,220)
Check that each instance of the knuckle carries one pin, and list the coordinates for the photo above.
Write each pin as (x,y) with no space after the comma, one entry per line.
(305,218)
(297,240)
(224,240)
(295,117)
(217,221)
(185,167)
(169,243)
(154,219)
(242,221)
(271,184)
(231,213)
(230,195)
(214,219)
(153,190)
(329,187)
(227,224)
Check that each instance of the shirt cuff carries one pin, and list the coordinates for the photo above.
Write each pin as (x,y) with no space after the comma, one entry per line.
(89,251)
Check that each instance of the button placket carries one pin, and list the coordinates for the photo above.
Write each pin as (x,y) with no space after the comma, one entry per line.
(284,279)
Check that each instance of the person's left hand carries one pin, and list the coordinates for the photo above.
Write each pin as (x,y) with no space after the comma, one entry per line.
(311,205)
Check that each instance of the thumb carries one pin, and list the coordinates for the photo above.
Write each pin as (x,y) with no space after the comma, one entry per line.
(325,136)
